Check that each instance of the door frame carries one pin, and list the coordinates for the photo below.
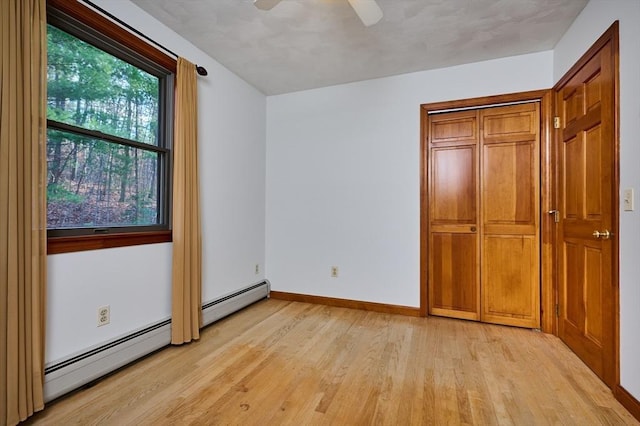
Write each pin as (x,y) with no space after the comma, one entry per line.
(610,35)
(548,297)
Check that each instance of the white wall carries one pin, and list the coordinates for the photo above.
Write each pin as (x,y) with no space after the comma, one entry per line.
(342,184)
(343,177)
(136,281)
(588,26)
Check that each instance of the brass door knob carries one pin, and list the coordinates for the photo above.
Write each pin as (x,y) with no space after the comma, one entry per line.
(604,235)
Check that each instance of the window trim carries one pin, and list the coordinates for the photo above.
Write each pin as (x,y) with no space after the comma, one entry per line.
(112,30)
(70,244)
(144,234)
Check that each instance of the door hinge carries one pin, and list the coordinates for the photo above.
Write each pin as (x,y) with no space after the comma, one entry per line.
(556,122)
(557,310)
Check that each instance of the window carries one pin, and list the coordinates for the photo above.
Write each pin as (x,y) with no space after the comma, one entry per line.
(109,116)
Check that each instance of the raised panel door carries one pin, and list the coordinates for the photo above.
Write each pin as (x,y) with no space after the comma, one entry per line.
(585,104)
(453,216)
(484,208)
(510,254)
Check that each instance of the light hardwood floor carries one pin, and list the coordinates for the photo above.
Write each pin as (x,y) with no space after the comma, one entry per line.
(279,362)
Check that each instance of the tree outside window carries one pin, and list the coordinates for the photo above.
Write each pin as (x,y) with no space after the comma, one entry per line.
(108,134)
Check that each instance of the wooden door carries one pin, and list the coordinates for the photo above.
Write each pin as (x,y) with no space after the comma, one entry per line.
(510,187)
(484,257)
(585,105)
(454,263)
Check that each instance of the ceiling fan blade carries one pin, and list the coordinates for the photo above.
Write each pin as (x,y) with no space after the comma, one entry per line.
(265,4)
(367,10)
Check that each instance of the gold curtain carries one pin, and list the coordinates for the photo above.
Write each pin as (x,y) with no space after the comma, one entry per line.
(22,207)
(186,315)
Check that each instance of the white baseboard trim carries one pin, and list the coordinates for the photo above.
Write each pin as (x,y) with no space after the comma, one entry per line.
(70,373)
(219,308)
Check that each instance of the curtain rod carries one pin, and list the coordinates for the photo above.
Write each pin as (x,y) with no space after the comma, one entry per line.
(200,69)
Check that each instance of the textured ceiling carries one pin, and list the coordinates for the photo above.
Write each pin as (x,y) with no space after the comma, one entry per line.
(304,44)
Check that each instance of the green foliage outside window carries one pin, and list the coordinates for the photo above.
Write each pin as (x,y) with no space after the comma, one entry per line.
(103,153)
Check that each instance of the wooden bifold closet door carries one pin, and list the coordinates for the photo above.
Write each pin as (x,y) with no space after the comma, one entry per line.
(484,184)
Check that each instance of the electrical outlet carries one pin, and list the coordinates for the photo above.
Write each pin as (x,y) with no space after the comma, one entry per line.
(257,268)
(334,272)
(104,315)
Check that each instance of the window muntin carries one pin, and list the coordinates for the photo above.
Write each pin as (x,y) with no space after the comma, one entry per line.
(108,129)
(94,183)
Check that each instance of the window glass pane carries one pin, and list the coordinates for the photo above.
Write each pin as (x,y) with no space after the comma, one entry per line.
(94,183)
(90,88)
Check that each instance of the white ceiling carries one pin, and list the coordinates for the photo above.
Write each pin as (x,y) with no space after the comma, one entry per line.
(304,44)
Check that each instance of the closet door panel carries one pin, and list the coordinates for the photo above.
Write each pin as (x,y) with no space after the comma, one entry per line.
(454,273)
(510,178)
(454,263)
(510,280)
(508,175)
(484,215)
(453,128)
(454,186)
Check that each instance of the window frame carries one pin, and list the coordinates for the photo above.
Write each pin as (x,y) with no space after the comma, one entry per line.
(96,29)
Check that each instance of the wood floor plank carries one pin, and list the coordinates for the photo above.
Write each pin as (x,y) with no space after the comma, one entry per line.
(291,363)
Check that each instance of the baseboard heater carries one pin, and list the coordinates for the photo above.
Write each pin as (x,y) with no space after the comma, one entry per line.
(70,373)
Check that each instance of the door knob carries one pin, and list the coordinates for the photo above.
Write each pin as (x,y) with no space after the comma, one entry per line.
(605,235)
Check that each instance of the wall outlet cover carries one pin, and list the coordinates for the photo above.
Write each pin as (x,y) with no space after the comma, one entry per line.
(104,315)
